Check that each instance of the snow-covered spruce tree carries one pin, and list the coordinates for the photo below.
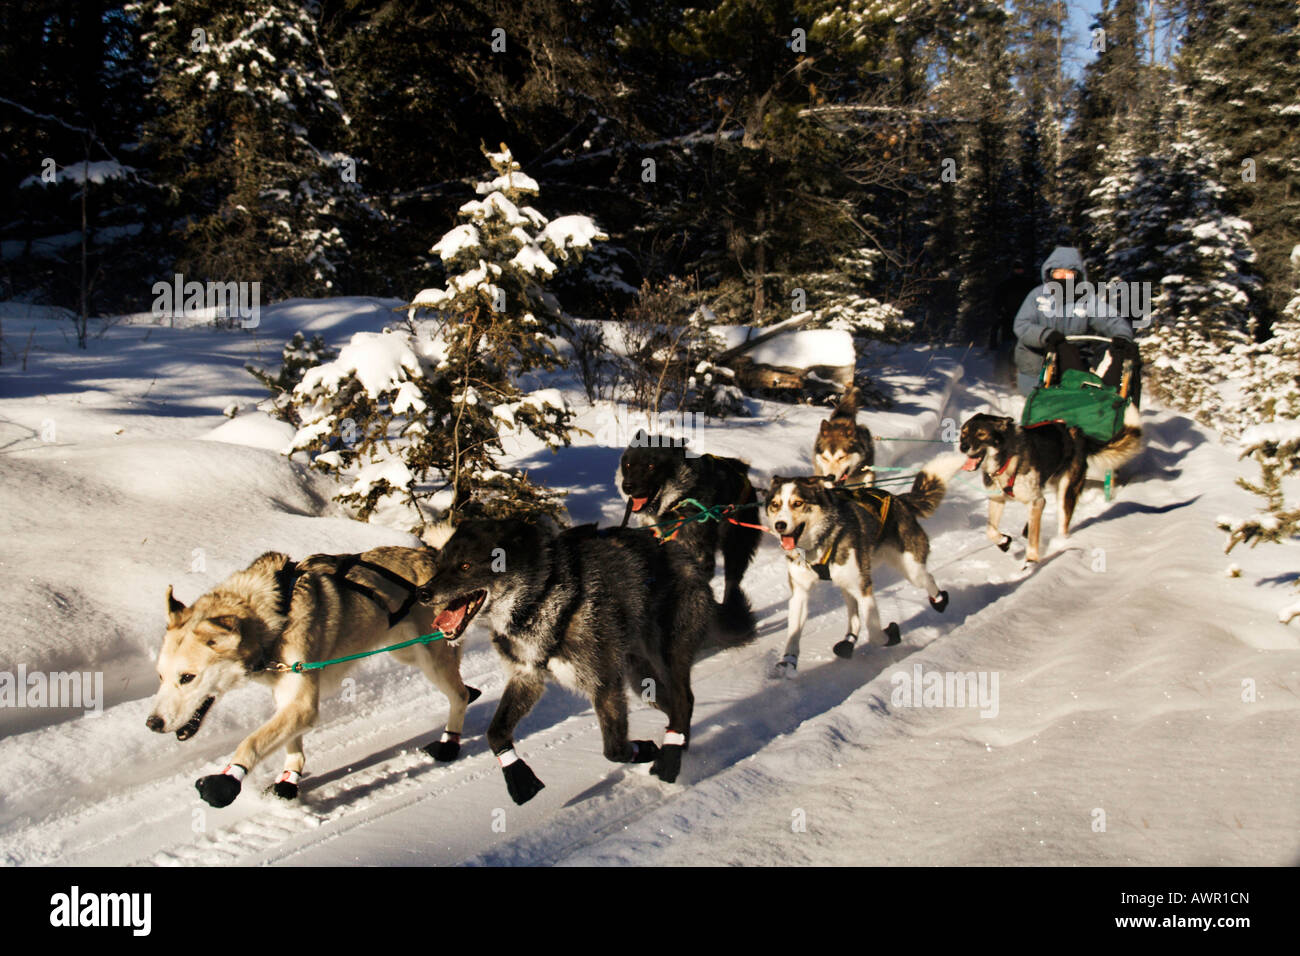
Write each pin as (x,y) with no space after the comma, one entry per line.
(1271,405)
(1272,392)
(841,298)
(416,414)
(1204,311)
(297,356)
(249,133)
(1275,446)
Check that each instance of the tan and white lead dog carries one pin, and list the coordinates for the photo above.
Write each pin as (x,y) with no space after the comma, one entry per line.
(273,614)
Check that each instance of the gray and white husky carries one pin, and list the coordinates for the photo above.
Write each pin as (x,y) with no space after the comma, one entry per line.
(835,534)
(598,611)
(276,613)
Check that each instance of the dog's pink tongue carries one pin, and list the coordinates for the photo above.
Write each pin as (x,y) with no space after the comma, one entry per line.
(639,503)
(449,619)
(971,464)
(787,542)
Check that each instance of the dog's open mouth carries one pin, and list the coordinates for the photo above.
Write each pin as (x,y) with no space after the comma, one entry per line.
(973,462)
(192,725)
(788,540)
(638,504)
(453,621)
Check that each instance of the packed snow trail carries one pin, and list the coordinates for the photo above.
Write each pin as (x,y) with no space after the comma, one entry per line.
(1146,705)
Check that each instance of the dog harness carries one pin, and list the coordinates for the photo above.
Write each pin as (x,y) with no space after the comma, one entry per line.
(287,578)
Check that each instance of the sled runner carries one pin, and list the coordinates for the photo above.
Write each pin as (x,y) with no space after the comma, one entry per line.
(1082,400)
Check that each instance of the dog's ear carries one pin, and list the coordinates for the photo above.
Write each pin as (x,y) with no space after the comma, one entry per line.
(221,633)
(175,609)
(826,426)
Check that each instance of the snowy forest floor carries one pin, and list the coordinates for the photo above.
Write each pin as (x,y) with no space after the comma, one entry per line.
(1138,685)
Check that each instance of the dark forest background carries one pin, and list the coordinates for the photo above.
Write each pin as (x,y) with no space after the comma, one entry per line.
(891,161)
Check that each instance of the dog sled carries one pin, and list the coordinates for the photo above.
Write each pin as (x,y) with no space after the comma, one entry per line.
(1081,399)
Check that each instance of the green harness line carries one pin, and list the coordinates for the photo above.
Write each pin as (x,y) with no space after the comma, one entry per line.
(299,667)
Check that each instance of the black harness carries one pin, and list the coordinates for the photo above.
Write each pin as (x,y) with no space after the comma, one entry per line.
(287,577)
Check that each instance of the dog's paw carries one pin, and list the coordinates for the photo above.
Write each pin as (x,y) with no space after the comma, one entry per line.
(787,668)
(444,750)
(285,790)
(893,634)
(1005,543)
(845,647)
(668,764)
(521,782)
(643,751)
(940,603)
(474,693)
(218,789)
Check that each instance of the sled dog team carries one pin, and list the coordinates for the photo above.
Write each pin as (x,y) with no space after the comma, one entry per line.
(597,610)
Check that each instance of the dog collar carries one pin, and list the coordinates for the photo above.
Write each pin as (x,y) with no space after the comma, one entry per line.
(1007,489)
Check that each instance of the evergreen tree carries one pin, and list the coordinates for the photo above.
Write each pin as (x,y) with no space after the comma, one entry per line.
(249,137)
(1240,63)
(1203,314)
(416,414)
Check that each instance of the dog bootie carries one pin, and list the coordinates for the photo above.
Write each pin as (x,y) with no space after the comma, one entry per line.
(940,602)
(220,789)
(845,647)
(668,764)
(448,748)
(520,779)
(643,751)
(474,693)
(286,787)
(1005,543)
(894,634)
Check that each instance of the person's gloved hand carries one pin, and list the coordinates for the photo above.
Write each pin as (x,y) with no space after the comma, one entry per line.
(1053,339)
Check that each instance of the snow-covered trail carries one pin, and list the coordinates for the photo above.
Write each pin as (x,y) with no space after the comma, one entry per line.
(1121,700)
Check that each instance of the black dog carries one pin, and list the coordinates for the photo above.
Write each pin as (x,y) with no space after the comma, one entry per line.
(599,611)
(656,479)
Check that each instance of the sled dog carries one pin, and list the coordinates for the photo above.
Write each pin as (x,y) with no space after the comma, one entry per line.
(835,534)
(654,481)
(598,611)
(277,613)
(843,449)
(1021,463)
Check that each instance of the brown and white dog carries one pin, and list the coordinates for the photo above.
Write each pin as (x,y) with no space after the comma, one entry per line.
(843,449)
(836,534)
(1021,463)
(273,614)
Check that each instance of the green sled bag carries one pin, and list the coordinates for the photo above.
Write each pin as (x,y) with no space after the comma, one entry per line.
(1080,400)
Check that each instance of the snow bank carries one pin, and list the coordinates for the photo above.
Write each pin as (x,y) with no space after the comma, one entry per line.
(255,430)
